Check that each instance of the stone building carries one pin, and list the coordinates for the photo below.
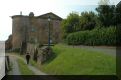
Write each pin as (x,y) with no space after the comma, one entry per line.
(34,29)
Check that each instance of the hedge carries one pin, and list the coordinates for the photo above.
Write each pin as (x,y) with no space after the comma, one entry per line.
(98,36)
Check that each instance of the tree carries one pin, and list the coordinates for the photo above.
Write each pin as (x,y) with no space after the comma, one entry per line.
(87,21)
(118,13)
(70,24)
(106,13)
(118,21)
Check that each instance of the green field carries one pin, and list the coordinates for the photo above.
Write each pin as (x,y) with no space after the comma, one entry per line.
(75,61)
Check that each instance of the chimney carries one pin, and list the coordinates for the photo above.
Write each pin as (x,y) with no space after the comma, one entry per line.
(21,13)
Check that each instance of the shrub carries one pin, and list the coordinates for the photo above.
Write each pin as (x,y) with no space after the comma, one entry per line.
(16,50)
(98,36)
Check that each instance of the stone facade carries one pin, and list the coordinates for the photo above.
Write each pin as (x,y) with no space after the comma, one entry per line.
(34,29)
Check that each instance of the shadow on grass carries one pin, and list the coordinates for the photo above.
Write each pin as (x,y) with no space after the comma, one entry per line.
(53,56)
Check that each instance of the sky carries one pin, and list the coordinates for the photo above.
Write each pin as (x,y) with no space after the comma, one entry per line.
(60,7)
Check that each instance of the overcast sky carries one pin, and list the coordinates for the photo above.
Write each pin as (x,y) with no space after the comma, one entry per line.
(60,7)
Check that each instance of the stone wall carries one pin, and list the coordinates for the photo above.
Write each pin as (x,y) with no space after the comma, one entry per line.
(35,29)
(44,53)
(19,33)
(31,48)
(38,54)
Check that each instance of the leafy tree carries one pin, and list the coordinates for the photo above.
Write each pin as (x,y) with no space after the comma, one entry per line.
(70,24)
(87,20)
(118,13)
(106,13)
(74,22)
(118,21)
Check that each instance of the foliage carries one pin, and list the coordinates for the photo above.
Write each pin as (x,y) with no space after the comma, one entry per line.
(118,14)
(98,36)
(16,50)
(93,29)
(118,35)
(69,23)
(74,22)
(106,13)
(87,21)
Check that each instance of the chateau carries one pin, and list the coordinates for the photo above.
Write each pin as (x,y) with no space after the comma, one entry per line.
(34,29)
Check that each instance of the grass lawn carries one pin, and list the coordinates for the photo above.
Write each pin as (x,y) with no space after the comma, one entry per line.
(75,61)
(24,68)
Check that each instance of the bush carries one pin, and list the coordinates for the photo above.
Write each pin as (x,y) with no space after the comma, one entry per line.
(16,50)
(98,36)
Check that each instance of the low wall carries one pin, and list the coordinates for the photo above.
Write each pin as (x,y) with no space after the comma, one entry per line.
(39,54)
(44,53)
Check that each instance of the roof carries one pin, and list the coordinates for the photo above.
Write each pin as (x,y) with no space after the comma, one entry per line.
(51,15)
(119,4)
(14,16)
(44,16)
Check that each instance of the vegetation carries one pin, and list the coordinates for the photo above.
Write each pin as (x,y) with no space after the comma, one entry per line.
(24,68)
(87,21)
(16,50)
(76,61)
(90,28)
(106,13)
(74,22)
(118,14)
(99,36)
(70,24)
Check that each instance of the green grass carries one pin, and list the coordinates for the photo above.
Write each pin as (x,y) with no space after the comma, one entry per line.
(24,68)
(75,61)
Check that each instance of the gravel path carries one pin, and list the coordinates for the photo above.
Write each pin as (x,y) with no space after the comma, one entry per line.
(35,70)
(15,67)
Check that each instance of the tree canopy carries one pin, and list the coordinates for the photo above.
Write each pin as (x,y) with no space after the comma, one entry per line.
(76,22)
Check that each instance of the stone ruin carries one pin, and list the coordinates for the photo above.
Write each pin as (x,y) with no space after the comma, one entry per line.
(39,54)
(44,54)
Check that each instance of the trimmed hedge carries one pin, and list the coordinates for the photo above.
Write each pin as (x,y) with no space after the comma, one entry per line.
(98,36)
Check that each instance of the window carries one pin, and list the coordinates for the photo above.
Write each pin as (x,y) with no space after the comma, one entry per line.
(33,29)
